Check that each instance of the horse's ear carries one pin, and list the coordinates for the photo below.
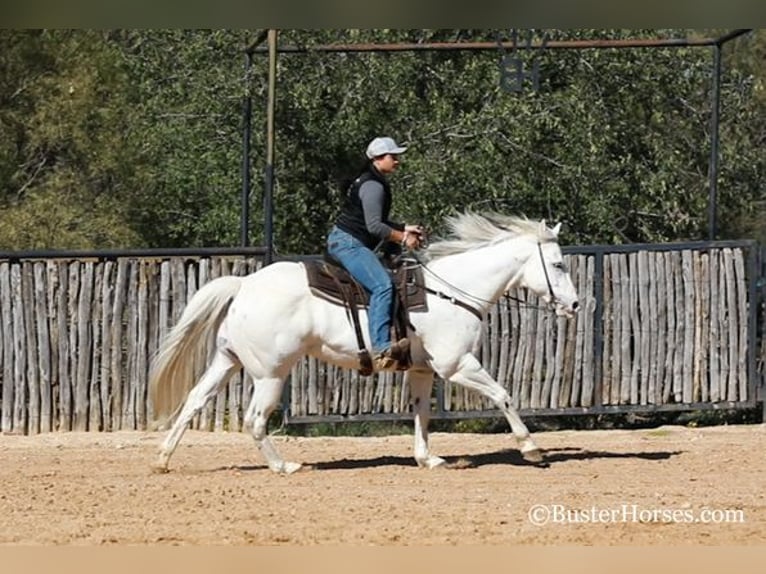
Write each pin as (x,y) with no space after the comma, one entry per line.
(543,227)
(556,229)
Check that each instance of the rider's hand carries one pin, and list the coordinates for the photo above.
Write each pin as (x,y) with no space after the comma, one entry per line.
(416,229)
(418,232)
(411,240)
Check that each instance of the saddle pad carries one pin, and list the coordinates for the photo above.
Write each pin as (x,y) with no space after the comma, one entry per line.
(325,278)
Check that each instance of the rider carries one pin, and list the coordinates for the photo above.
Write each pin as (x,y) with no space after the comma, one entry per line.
(362,226)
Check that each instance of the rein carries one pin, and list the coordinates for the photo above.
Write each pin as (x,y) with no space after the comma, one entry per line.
(471,308)
(455,301)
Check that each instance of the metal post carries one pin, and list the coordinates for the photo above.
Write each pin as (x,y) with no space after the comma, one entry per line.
(247,118)
(757,326)
(598,330)
(714,122)
(268,195)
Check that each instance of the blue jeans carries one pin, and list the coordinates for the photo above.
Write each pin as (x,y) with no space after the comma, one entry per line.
(362,263)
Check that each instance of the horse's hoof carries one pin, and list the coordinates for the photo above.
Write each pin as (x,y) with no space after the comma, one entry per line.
(431,462)
(534,456)
(160,468)
(286,467)
(291,467)
(435,462)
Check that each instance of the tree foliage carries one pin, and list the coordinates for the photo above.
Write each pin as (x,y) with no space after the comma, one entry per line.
(134,137)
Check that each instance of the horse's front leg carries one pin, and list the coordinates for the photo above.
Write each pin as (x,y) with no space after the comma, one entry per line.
(471,374)
(421,383)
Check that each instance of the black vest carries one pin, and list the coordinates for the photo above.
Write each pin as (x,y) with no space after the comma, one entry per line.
(351,218)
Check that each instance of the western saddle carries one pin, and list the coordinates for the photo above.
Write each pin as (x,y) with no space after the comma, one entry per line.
(329,280)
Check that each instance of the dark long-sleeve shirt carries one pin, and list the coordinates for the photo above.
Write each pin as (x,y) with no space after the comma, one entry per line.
(366,209)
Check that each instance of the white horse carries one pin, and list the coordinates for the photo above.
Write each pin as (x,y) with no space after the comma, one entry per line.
(268,320)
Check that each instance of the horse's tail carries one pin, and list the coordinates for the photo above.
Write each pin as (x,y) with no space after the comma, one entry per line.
(171,374)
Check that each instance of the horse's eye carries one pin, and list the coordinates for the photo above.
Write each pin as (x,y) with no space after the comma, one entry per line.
(560,266)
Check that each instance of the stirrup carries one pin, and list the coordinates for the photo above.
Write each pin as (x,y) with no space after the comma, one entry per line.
(400,348)
(365,363)
(396,356)
(384,361)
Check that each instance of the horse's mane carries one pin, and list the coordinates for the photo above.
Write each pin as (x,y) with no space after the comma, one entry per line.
(470,230)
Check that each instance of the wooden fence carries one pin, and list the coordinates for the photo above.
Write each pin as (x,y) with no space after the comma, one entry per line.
(668,328)
(660,327)
(77,337)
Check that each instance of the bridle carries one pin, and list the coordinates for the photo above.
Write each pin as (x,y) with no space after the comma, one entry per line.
(545,272)
(455,301)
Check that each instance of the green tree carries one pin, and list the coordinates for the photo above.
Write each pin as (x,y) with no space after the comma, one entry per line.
(743,139)
(63,163)
(134,137)
(187,89)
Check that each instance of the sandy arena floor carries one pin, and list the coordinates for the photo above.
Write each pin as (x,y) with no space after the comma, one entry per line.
(671,485)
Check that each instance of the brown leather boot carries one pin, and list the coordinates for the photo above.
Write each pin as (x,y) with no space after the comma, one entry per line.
(390,358)
(383,361)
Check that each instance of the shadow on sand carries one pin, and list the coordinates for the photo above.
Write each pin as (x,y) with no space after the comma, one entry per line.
(505,457)
(502,457)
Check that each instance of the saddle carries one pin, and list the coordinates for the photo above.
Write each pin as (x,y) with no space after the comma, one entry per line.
(330,281)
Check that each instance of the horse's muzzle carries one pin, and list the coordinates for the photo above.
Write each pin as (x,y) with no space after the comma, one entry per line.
(564,310)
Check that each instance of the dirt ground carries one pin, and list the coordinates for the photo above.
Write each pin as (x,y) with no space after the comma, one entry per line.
(671,485)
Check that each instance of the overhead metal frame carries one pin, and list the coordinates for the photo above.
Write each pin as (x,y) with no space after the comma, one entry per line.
(273,49)
(483,46)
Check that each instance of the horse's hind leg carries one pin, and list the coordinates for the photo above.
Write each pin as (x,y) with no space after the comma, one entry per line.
(219,371)
(266,395)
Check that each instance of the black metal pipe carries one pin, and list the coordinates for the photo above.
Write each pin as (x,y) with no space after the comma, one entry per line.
(481,46)
(715,121)
(246,121)
(731,35)
(489,46)
(714,125)
(257,42)
(268,195)
(753,271)
(525,412)
(674,246)
(598,330)
(110,254)
(268,216)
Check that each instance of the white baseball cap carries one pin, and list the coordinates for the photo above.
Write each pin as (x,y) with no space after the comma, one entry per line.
(382,146)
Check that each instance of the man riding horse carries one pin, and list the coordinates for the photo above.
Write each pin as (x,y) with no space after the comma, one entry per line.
(362,227)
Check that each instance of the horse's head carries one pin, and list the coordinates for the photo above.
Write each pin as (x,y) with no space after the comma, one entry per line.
(546,274)
(521,252)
